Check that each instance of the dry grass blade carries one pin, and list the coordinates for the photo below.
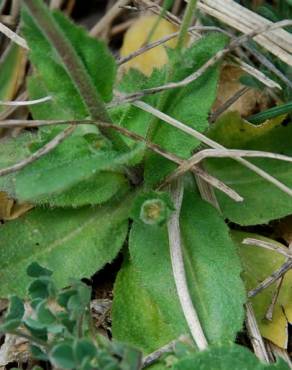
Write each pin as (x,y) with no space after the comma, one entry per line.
(108,17)
(211,143)
(211,62)
(39,153)
(14,37)
(268,245)
(271,279)
(18,103)
(278,42)
(219,153)
(154,147)
(178,269)
(255,335)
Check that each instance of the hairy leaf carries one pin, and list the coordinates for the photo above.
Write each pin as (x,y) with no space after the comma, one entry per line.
(76,173)
(137,318)
(190,104)
(262,200)
(212,265)
(73,243)
(226,357)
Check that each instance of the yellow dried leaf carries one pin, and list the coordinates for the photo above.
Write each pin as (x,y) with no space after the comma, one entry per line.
(9,209)
(229,84)
(137,36)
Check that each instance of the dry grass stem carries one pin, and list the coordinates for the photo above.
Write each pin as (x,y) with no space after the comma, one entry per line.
(58,139)
(278,42)
(175,244)
(194,76)
(268,245)
(211,143)
(13,36)
(153,147)
(255,335)
(18,103)
(108,17)
(215,115)
(219,153)
(271,279)
(154,356)
(164,39)
(260,76)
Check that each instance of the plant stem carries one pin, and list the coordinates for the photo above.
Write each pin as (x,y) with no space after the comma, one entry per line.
(186,22)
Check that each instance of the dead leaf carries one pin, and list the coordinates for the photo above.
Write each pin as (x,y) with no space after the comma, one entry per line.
(10,209)
(136,37)
(249,103)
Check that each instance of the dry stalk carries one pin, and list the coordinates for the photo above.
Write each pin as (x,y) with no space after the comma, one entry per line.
(211,143)
(108,17)
(278,42)
(13,36)
(23,103)
(255,335)
(219,153)
(268,245)
(47,148)
(175,244)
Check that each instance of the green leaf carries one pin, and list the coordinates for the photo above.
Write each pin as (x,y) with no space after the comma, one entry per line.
(137,318)
(180,103)
(73,174)
(226,357)
(36,270)
(38,354)
(62,356)
(12,67)
(15,313)
(84,349)
(70,242)
(63,69)
(262,200)
(44,314)
(213,271)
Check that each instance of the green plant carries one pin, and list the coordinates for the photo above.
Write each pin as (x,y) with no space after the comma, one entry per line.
(105,163)
(59,327)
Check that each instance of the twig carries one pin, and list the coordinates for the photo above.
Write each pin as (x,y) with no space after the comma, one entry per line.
(154,356)
(108,17)
(255,335)
(17,103)
(278,42)
(265,62)
(270,310)
(268,245)
(178,269)
(207,192)
(181,126)
(220,153)
(56,4)
(7,111)
(132,135)
(252,71)
(163,40)
(215,115)
(271,279)
(195,75)
(39,153)
(14,37)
